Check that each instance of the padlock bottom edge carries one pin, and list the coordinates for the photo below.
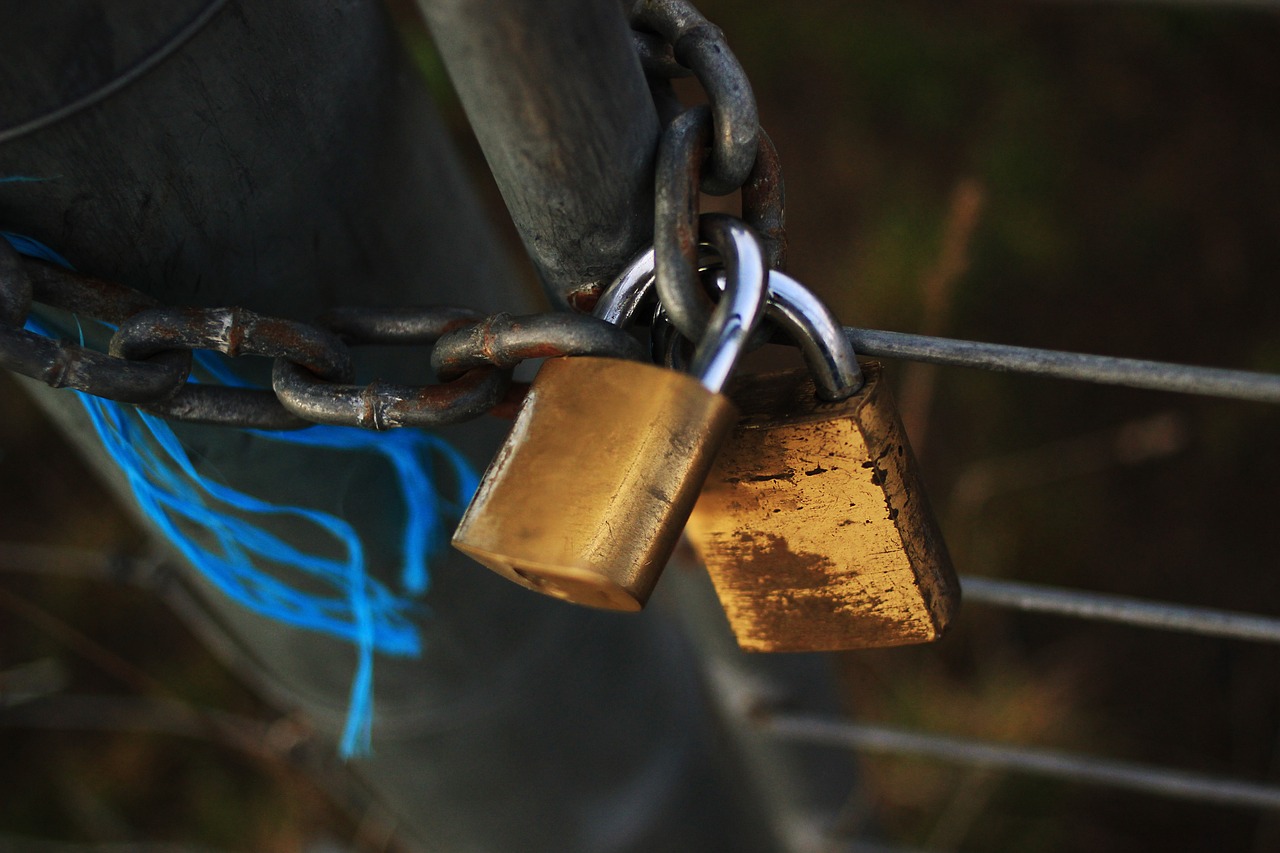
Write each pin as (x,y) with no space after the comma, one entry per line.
(576,586)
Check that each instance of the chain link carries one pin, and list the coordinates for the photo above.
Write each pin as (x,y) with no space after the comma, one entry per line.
(505,341)
(64,364)
(232,332)
(700,46)
(717,148)
(150,354)
(383,405)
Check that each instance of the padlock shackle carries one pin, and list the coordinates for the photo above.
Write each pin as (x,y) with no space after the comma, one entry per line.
(741,306)
(807,321)
(736,315)
(620,301)
(623,298)
(818,333)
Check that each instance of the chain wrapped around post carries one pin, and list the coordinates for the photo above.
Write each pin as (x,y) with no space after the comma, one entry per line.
(64,364)
(150,354)
(719,148)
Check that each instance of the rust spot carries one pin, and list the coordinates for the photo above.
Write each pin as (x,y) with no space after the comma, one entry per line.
(236,331)
(369,414)
(538,350)
(584,299)
(56,371)
(488,337)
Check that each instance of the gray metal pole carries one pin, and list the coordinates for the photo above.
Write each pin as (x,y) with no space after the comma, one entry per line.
(284,157)
(557,98)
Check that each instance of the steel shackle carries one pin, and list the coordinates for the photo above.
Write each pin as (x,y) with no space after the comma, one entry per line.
(736,315)
(812,325)
(807,321)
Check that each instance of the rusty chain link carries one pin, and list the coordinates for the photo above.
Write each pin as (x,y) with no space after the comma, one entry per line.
(715,148)
(232,332)
(700,46)
(382,405)
(150,354)
(65,364)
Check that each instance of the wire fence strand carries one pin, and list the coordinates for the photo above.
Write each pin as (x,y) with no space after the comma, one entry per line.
(1098,369)
(1120,609)
(1147,779)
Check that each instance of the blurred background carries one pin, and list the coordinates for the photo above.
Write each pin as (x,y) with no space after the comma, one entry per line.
(1096,177)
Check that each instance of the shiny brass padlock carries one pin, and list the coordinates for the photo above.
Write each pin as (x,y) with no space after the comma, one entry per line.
(587,498)
(813,524)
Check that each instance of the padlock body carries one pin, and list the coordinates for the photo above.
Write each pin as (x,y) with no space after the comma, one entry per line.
(815,527)
(587,498)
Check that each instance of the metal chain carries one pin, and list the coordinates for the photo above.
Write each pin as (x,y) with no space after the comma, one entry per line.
(306,397)
(700,46)
(718,148)
(150,354)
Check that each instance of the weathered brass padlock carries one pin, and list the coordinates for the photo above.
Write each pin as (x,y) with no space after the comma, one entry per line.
(587,498)
(813,524)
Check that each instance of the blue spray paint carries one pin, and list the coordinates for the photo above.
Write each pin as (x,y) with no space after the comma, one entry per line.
(220,529)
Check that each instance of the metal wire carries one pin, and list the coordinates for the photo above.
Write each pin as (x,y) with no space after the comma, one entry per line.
(130,75)
(1143,778)
(1120,609)
(1099,369)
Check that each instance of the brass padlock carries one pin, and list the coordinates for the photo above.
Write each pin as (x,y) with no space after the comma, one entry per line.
(587,498)
(813,524)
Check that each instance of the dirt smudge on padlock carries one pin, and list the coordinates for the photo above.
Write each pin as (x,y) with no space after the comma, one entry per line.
(784,600)
(659,495)
(763,553)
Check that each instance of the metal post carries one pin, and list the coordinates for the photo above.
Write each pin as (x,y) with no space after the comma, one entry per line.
(557,98)
(284,157)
